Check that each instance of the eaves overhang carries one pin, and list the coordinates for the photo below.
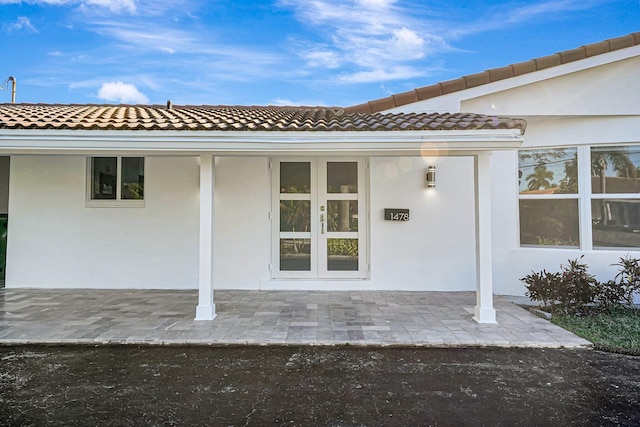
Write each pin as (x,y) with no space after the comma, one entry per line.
(460,142)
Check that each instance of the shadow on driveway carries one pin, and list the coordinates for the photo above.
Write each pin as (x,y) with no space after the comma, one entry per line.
(337,386)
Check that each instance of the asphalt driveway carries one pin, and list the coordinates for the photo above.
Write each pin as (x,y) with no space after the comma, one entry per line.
(333,386)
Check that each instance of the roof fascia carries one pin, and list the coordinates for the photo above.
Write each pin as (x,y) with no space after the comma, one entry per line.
(58,141)
(451,102)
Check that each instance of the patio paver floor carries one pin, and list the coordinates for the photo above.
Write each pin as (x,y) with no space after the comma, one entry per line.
(393,318)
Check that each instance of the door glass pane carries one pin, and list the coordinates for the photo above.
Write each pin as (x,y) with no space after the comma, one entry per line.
(342,254)
(343,215)
(616,223)
(132,178)
(104,172)
(342,177)
(295,254)
(295,215)
(615,170)
(548,171)
(295,177)
(549,222)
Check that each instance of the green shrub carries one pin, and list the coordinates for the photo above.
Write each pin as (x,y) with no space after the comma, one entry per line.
(543,287)
(578,288)
(573,291)
(628,278)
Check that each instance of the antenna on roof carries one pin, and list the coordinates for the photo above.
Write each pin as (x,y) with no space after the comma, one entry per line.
(5,86)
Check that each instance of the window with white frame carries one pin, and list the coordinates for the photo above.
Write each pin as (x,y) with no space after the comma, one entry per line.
(116,181)
(615,197)
(548,201)
(586,197)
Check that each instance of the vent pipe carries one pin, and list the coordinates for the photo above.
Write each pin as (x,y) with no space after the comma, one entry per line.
(13,88)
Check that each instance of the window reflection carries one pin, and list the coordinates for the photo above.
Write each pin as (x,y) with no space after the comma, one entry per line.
(295,255)
(343,215)
(615,170)
(295,215)
(342,254)
(551,171)
(295,177)
(549,222)
(132,178)
(616,223)
(104,172)
(342,177)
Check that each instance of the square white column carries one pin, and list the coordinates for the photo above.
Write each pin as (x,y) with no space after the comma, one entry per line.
(484,311)
(206,309)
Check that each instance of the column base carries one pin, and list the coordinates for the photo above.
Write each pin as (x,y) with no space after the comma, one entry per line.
(206,312)
(485,315)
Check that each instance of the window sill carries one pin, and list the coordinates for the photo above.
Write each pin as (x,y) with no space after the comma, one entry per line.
(115,204)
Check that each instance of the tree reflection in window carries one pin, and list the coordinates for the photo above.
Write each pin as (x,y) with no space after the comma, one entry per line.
(552,171)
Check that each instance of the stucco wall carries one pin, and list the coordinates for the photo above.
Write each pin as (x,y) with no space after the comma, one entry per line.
(242,250)
(56,241)
(435,249)
(610,89)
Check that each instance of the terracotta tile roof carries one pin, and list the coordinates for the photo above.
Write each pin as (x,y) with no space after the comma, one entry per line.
(234,118)
(495,74)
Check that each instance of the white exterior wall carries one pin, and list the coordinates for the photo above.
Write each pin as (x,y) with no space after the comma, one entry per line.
(435,249)
(242,227)
(56,241)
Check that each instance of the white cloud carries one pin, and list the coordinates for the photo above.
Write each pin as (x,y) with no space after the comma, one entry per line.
(388,39)
(322,58)
(378,37)
(506,17)
(22,23)
(382,74)
(124,93)
(112,5)
(290,103)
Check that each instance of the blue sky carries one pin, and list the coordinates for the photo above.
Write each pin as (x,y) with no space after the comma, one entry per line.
(280,52)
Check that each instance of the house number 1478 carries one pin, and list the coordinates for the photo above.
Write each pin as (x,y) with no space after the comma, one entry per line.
(396,214)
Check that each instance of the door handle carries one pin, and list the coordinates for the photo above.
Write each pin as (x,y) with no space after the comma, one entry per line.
(322,220)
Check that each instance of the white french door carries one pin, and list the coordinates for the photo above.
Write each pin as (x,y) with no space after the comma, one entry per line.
(319,218)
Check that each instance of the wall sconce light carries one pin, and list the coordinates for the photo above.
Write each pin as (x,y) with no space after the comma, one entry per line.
(431,177)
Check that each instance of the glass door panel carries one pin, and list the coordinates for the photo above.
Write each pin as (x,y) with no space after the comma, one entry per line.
(295,213)
(295,254)
(342,215)
(342,254)
(295,177)
(340,199)
(342,177)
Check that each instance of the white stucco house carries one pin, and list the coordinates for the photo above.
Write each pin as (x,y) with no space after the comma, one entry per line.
(418,191)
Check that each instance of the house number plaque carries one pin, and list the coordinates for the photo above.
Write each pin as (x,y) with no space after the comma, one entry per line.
(396,214)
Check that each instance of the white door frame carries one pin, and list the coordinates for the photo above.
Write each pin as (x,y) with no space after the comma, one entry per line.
(318,198)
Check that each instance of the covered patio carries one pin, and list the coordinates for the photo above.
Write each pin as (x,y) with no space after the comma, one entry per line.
(363,318)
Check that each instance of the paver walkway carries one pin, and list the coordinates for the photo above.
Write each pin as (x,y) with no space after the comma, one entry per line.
(84,316)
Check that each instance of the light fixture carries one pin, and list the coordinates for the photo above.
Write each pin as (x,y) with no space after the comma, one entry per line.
(431,177)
